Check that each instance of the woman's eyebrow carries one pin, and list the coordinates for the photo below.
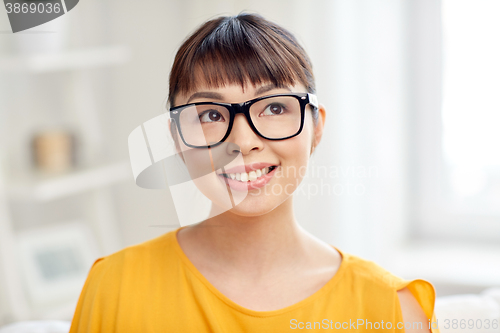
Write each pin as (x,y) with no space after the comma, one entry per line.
(205,94)
(269,87)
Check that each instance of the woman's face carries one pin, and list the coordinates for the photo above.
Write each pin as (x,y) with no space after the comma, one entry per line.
(282,164)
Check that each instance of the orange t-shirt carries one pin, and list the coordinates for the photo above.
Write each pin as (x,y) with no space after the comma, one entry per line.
(153,287)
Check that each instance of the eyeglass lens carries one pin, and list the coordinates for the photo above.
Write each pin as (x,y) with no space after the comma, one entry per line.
(275,118)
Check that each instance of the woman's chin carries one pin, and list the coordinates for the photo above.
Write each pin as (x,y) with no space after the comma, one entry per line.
(249,212)
(255,206)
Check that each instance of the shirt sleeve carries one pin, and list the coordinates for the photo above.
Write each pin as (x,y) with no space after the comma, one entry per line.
(424,293)
(95,306)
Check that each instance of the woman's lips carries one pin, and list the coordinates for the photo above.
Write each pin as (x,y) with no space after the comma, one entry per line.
(250,185)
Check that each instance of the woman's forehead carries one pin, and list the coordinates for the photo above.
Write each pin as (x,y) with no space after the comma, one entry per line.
(227,90)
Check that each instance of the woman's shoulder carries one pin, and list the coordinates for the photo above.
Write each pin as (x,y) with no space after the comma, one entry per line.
(367,271)
(363,271)
(128,268)
(370,274)
(120,281)
(135,257)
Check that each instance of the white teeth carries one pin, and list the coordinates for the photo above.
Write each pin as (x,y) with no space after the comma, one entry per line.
(244,177)
(250,176)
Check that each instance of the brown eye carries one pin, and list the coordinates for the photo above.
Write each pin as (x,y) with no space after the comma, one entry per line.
(274,110)
(211,116)
(214,116)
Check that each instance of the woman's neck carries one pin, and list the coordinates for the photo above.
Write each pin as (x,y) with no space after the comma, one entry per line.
(258,246)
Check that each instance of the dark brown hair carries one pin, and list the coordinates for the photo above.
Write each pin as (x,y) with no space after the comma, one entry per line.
(236,50)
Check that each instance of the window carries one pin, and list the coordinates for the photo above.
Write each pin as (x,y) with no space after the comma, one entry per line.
(459,134)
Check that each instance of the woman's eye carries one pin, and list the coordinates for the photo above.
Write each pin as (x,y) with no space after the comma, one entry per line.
(274,110)
(211,116)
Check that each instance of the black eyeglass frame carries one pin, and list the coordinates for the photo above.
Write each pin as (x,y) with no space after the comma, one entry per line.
(235,108)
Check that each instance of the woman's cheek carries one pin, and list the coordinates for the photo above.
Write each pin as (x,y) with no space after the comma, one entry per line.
(294,158)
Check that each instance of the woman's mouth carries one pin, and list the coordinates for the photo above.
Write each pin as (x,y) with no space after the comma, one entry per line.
(244,181)
(249,176)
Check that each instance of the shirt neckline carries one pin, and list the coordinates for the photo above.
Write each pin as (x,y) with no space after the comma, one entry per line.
(323,290)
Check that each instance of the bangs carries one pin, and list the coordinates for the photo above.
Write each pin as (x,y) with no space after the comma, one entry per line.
(239,50)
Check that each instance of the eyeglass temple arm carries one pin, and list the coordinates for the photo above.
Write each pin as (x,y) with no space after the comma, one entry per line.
(313,100)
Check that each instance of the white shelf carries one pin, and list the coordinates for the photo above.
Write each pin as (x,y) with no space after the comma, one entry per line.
(26,186)
(68,60)
(72,183)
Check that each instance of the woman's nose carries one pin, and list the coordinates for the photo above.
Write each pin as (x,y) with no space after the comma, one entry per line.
(243,135)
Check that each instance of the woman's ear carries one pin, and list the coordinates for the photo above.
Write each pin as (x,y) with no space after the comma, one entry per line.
(318,128)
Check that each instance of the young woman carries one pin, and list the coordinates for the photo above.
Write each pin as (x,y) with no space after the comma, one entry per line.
(246,82)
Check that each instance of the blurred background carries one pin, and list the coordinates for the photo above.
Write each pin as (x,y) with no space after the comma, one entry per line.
(407,174)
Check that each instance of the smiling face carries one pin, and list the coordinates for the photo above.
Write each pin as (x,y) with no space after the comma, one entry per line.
(233,59)
(264,173)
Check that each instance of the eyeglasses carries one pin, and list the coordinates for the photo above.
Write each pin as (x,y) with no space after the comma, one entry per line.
(273,117)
